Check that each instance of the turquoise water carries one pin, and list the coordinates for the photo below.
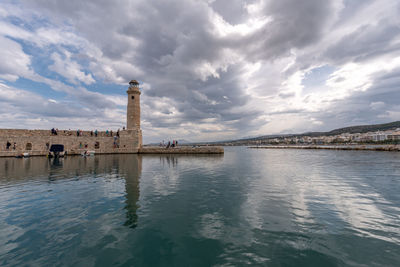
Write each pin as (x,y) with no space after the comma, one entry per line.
(247,207)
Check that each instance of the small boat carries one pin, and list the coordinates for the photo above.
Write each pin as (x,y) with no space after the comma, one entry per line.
(56,151)
(88,153)
(22,155)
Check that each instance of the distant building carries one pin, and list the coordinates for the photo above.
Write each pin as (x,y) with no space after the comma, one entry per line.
(379,136)
(394,136)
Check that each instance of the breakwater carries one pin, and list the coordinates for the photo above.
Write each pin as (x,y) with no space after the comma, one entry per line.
(340,147)
(143,150)
(182,150)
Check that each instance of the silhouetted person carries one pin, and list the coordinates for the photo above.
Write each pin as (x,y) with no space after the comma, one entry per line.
(8,145)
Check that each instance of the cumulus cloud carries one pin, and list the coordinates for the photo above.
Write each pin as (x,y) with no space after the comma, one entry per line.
(210,72)
(70,69)
(15,62)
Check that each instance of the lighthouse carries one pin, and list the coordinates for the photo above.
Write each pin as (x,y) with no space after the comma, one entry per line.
(133,109)
(133,131)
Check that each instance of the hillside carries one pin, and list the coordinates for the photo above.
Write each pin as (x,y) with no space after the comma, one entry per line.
(366,128)
(351,129)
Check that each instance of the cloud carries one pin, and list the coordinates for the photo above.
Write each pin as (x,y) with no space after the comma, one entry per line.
(20,109)
(71,70)
(208,71)
(15,62)
(366,42)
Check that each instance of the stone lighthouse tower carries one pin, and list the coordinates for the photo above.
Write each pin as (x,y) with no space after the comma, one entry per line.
(133,113)
(133,110)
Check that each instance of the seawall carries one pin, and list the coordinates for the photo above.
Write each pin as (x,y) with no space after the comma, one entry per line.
(37,142)
(182,150)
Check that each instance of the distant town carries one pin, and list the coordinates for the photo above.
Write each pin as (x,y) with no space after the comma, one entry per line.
(388,133)
(389,137)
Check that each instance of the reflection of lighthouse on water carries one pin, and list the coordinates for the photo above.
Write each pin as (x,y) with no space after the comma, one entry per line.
(133,170)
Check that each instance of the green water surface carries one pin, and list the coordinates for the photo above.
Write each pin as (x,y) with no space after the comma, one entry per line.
(245,208)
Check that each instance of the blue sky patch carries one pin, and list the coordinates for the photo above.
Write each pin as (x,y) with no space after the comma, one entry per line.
(316,78)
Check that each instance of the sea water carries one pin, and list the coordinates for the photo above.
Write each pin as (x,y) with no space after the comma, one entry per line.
(247,207)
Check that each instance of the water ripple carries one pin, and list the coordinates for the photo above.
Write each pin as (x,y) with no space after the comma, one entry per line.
(248,207)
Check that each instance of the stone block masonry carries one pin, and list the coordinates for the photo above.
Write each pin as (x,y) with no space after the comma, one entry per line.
(37,142)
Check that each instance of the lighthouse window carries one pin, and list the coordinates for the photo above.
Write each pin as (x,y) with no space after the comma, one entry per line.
(133,97)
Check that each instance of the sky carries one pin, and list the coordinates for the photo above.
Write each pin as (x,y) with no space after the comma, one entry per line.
(208,69)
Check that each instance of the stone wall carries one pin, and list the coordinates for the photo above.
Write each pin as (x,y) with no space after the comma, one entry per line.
(182,150)
(37,142)
(133,108)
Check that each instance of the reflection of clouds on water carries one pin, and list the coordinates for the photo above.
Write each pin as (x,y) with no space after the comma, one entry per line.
(316,192)
(217,227)
(163,172)
(357,209)
(167,181)
(8,231)
(165,184)
(211,226)
(267,205)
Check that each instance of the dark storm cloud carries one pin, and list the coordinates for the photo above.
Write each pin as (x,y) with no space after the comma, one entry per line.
(366,42)
(295,24)
(214,98)
(350,7)
(233,11)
